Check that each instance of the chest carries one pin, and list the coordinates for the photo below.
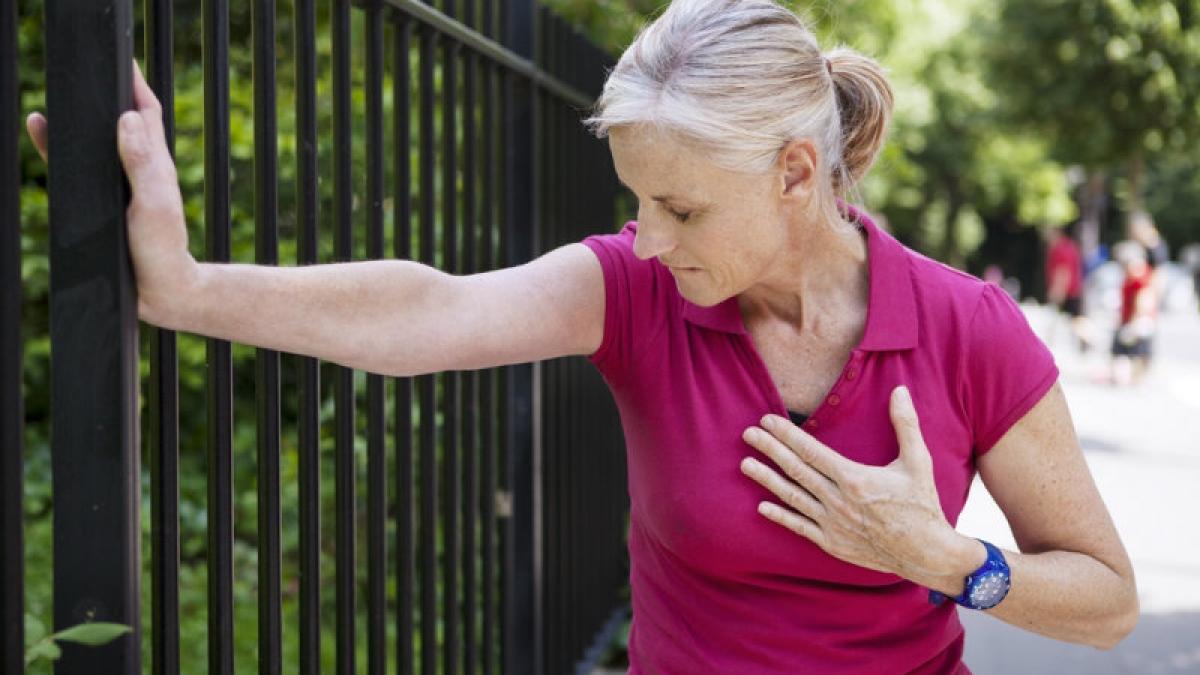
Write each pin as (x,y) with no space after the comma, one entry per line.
(803,366)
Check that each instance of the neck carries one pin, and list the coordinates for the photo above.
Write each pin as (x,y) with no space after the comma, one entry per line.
(821,271)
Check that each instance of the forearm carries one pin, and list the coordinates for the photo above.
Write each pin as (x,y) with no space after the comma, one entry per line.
(346,313)
(1060,594)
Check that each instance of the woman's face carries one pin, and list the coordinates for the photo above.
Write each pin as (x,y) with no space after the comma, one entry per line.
(718,231)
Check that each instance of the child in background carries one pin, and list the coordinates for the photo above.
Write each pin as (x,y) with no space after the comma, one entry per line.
(1139,304)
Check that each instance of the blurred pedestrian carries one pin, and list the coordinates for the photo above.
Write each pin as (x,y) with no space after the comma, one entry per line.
(1131,347)
(1143,231)
(1064,284)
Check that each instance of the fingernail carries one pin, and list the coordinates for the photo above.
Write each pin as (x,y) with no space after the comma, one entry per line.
(129,124)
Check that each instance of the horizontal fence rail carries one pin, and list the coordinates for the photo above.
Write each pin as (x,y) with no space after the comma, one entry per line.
(475,523)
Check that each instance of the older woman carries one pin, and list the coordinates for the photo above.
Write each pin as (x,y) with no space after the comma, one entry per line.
(805,401)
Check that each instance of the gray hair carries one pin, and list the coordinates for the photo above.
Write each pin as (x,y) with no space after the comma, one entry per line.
(742,78)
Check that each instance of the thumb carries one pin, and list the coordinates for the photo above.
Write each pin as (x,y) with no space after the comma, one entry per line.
(908,427)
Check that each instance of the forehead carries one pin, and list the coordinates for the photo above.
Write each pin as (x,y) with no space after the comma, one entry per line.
(659,160)
(644,149)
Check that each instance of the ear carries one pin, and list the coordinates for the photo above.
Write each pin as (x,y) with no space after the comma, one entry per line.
(798,163)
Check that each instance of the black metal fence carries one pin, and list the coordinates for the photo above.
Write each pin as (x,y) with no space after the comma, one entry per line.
(502,490)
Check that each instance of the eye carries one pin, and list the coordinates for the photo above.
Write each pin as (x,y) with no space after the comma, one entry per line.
(681,217)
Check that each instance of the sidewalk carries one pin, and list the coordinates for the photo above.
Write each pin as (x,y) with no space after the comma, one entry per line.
(1143,446)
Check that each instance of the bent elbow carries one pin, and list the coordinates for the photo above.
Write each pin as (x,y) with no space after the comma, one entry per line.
(1121,625)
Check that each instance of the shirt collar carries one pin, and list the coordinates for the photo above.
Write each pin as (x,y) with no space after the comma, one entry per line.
(891,307)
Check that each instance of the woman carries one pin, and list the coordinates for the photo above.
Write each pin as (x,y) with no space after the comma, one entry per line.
(742,295)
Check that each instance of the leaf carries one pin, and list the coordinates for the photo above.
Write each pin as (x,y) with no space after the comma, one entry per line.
(34,630)
(45,649)
(93,634)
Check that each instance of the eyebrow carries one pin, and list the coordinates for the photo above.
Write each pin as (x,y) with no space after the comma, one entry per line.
(657,198)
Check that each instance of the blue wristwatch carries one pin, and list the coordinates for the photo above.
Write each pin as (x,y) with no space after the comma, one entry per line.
(985,587)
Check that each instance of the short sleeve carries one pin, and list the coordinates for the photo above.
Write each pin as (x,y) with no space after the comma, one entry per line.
(634,301)
(1008,368)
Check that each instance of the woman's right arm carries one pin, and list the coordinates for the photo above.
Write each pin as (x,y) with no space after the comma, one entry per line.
(398,317)
(393,317)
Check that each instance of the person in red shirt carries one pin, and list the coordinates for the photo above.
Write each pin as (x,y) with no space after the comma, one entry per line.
(1139,300)
(1064,284)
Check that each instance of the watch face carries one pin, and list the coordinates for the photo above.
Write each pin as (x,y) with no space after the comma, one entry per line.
(989,589)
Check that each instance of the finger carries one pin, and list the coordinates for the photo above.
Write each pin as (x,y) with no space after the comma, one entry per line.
(143,95)
(790,493)
(146,163)
(805,527)
(907,426)
(147,103)
(38,130)
(804,475)
(813,452)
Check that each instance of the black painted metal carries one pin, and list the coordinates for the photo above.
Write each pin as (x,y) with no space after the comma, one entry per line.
(344,462)
(94,340)
(402,246)
(217,227)
(376,464)
(163,401)
(266,252)
(12,412)
(470,380)
(426,384)
(308,424)
(524,456)
(450,380)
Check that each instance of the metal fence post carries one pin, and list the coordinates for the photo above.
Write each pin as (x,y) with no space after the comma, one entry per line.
(94,336)
(12,567)
(523,630)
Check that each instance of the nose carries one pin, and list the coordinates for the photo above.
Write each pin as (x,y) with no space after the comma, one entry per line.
(653,240)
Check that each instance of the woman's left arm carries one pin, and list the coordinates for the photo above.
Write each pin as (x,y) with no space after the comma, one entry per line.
(1072,579)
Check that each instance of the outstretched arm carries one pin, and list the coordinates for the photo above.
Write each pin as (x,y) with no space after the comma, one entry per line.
(394,317)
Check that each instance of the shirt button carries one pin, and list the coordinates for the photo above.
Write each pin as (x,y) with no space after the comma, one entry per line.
(852,373)
(812,423)
(834,399)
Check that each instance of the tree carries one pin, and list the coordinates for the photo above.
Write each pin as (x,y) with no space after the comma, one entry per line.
(1112,82)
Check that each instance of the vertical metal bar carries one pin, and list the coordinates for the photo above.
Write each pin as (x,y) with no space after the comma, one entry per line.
(309,431)
(215,31)
(524,619)
(266,252)
(506,534)
(450,50)
(425,383)
(491,137)
(470,379)
(163,401)
(376,461)
(344,472)
(12,413)
(94,334)
(402,244)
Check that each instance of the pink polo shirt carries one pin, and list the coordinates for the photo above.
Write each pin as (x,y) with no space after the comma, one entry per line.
(718,588)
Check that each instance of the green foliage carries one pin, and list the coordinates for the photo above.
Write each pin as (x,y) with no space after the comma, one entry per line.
(1107,78)
(45,647)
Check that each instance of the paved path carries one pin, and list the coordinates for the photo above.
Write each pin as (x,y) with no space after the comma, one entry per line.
(1143,446)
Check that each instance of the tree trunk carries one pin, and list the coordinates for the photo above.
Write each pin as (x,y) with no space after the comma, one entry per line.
(1137,180)
(1091,211)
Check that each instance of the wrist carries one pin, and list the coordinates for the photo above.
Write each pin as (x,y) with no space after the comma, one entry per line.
(168,307)
(959,556)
